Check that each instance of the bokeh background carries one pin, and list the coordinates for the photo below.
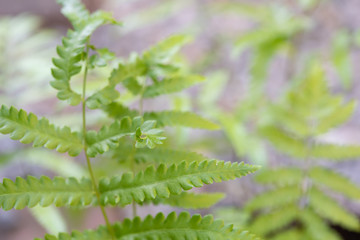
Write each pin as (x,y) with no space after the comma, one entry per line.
(245,72)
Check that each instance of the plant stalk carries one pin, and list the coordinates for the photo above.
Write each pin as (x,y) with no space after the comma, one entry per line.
(93,179)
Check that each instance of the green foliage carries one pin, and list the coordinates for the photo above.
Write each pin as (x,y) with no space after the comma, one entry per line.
(165,181)
(161,175)
(174,227)
(44,191)
(28,129)
(308,111)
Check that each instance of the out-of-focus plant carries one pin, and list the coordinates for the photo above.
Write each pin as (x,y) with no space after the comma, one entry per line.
(158,175)
(300,204)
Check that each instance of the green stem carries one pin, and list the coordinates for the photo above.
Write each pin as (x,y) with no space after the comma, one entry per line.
(134,207)
(93,179)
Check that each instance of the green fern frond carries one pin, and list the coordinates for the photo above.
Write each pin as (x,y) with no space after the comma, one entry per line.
(271,222)
(73,47)
(329,209)
(315,227)
(284,142)
(44,191)
(28,129)
(108,137)
(171,85)
(335,181)
(339,115)
(192,200)
(173,227)
(163,51)
(165,181)
(280,176)
(275,198)
(176,118)
(118,111)
(102,98)
(335,152)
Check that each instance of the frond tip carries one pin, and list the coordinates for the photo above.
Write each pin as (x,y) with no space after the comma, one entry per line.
(165,181)
(172,227)
(28,129)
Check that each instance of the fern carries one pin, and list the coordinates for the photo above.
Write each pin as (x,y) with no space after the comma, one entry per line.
(165,181)
(74,46)
(160,175)
(309,110)
(28,129)
(44,191)
(174,227)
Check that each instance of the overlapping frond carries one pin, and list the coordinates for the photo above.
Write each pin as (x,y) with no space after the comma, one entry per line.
(28,129)
(108,137)
(165,181)
(44,191)
(173,227)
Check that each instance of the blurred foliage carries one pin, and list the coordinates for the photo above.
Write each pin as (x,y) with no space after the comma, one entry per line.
(240,94)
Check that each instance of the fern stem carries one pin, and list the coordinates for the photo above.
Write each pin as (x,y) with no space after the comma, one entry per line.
(91,172)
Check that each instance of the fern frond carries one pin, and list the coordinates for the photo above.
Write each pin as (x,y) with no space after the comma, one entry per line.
(284,142)
(192,200)
(172,227)
(177,118)
(165,181)
(328,208)
(171,85)
(102,97)
(280,176)
(108,137)
(271,222)
(336,117)
(315,227)
(335,181)
(50,219)
(276,198)
(71,52)
(44,191)
(119,111)
(335,152)
(28,129)
(163,51)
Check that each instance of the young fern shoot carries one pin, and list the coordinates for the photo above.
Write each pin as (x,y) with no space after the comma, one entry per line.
(157,174)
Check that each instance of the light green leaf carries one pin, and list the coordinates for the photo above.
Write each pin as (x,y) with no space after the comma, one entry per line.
(28,129)
(172,227)
(165,181)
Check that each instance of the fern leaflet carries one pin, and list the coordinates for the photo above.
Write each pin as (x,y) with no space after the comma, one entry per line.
(28,129)
(173,227)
